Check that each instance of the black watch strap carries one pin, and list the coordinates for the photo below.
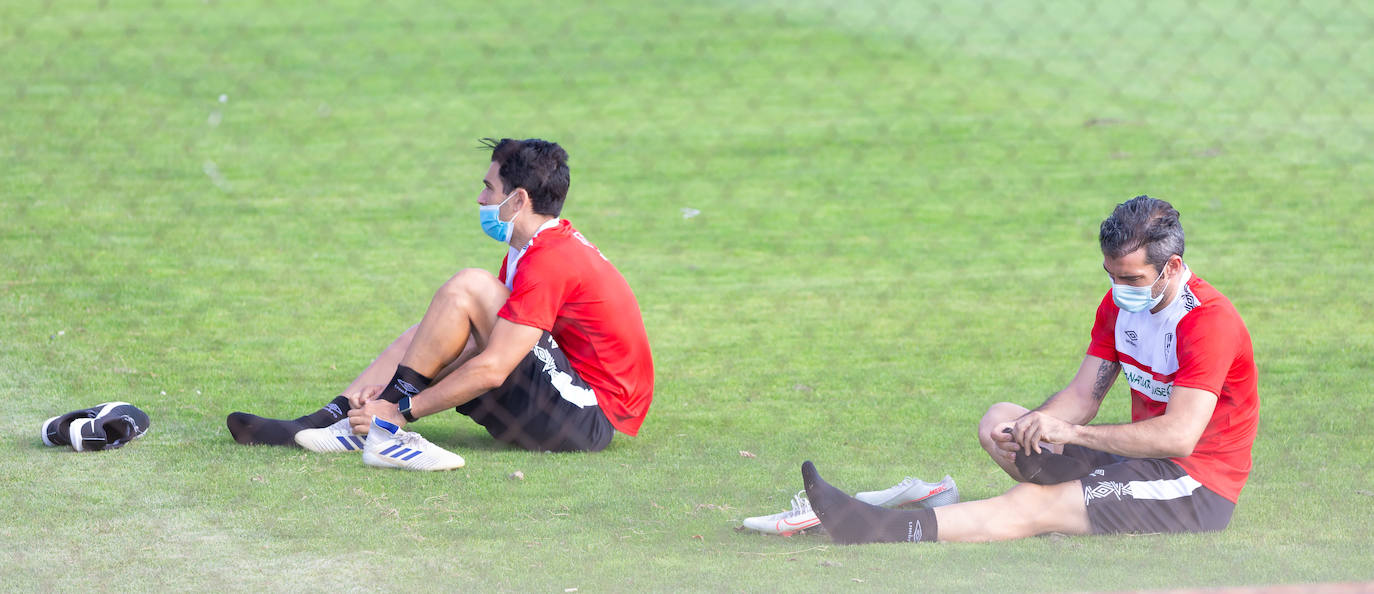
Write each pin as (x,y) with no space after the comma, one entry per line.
(404,405)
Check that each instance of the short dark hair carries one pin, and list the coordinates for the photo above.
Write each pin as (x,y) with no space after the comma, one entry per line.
(1143,222)
(538,166)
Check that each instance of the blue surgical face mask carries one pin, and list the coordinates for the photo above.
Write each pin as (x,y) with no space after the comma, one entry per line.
(1137,299)
(495,228)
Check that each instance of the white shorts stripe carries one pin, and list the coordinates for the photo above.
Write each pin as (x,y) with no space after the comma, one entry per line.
(582,397)
(578,395)
(1163,489)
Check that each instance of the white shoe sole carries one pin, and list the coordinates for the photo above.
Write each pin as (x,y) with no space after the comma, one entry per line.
(44,432)
(372,459)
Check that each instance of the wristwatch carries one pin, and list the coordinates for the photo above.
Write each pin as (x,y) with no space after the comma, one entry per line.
(404,405)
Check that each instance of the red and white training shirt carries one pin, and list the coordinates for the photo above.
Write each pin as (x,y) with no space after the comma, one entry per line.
(562,284)
(1197,341)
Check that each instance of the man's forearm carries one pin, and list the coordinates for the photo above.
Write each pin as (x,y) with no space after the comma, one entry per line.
(485,371)
(460,387)
(1151,438)
(1068,407)
(1079,402)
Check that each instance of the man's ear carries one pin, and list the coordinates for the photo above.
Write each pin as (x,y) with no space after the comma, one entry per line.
(1177,262)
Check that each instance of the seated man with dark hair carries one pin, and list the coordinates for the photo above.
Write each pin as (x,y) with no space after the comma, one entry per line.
(1178,466)
(549,354)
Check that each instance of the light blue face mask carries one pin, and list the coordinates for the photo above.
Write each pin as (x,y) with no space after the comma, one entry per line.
(1137,299)
(495,228)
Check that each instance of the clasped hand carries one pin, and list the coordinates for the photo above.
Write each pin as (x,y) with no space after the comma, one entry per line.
(364,404)
(1027,432)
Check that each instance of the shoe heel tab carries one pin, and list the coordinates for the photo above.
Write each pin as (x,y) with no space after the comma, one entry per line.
(74,436)
(385,424)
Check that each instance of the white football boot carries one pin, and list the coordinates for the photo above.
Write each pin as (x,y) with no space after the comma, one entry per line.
(787,523)
(338,437)
(389,446)
(913,492)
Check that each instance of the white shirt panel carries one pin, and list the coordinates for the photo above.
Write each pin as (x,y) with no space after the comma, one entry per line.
(513,256)
(1152,341)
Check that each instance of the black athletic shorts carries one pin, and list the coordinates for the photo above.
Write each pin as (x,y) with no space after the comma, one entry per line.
(1147,495)
(543,406)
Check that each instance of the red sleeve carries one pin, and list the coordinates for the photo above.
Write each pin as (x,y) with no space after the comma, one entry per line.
(501,275)
(1207,342)
(539,292)
(1103,344)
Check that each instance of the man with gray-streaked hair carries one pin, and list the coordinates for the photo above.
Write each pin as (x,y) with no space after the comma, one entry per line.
(1178,466)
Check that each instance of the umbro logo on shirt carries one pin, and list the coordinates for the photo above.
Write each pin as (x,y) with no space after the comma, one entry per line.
(1131,337)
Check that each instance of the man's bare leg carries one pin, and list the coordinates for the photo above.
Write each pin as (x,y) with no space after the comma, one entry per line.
(999,445)
(1002,412)
(1026,510)
(251,429)
(382,367)
(462,311)
(457,324)
(1046,467)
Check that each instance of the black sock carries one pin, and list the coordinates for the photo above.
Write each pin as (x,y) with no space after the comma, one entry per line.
(1049,468)
(850,521)
(406,382)
(254,430)
(330,414)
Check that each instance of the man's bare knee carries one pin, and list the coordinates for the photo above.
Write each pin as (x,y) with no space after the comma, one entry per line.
(476,295)
(472,286)
(999,413)
(1003,411)
(473,279)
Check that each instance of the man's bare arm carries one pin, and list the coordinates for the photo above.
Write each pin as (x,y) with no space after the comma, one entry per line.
(1079,402)
(1172,434)
(487,370)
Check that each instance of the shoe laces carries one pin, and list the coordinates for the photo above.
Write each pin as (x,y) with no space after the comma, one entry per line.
(800,505)
(909,481)
(414,440)
(340,427)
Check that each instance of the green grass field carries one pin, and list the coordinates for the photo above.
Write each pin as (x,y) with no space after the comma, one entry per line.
(211,206)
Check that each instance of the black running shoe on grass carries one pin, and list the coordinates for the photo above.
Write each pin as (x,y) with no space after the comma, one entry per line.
(115,424)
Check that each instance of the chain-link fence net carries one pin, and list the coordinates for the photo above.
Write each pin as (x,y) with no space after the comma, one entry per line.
(803,194)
